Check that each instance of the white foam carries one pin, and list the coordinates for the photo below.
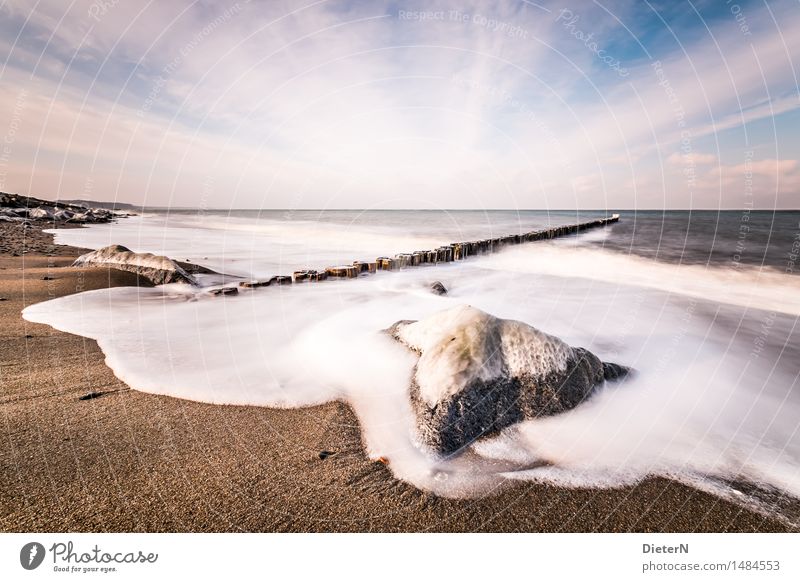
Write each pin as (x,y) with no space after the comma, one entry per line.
(747,286)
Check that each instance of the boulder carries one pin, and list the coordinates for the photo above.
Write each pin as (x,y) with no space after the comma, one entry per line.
(63,214)
(40,214)
(157,269)
(478,374)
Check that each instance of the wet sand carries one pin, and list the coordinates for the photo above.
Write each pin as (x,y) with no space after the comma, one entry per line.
(129,461)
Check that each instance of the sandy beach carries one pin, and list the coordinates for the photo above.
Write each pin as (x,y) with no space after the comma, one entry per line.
(128,461)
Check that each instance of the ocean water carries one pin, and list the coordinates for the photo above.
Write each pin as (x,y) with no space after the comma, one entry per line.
(703,305)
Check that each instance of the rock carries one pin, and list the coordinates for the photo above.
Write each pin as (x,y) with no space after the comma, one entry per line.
(438,288)
(63,214)
(478,374)
(157,269)
(40,214)
(225,291)
(4,218)
(325,454)
(195,269)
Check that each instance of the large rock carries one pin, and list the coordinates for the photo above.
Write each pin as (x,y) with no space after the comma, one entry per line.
(478,374)
(158,269)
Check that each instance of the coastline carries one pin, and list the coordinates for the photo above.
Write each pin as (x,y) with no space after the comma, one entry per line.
(129,461)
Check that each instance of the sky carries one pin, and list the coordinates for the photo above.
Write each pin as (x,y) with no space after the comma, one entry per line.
(366,104)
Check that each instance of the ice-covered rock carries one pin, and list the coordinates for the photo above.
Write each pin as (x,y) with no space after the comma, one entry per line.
(158,269)
(478,374)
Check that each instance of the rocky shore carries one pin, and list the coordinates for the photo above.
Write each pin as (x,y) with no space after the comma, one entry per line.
(23,218)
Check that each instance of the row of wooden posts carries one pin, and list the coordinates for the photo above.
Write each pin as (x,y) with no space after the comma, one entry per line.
(444,254)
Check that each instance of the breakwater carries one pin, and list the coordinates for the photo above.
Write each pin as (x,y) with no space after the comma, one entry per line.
(444,254)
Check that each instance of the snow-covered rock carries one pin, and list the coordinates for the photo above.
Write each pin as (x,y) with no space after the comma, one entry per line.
(478,374)
(158,269)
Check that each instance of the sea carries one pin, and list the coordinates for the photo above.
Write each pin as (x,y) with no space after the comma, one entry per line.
(703,305)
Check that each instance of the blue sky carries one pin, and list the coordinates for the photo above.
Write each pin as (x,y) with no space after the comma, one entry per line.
(403,104)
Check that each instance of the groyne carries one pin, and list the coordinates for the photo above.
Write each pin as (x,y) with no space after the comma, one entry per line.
(444,254)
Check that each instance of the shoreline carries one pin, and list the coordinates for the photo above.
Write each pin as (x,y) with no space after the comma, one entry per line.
(131,461)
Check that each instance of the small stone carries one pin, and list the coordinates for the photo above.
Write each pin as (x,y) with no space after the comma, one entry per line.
(48,278)
(438,288)
(225,291)
(325,454)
